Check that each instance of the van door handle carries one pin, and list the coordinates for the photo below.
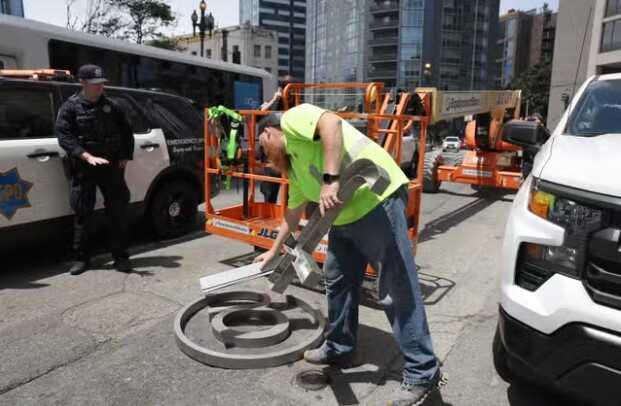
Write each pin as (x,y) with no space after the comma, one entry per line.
(43,154)
(149,145)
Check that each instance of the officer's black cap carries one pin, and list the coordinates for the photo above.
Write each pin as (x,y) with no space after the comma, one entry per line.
(92,74)
(271,120)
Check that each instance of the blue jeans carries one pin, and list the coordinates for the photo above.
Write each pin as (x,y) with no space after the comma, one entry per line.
(380,239)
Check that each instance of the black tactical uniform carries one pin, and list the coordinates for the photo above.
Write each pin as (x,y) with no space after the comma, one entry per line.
(102,130)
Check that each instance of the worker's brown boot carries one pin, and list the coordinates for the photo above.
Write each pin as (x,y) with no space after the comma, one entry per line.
(416,394)
(320,356)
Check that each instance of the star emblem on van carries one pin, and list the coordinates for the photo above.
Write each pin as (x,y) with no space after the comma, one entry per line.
(13,193)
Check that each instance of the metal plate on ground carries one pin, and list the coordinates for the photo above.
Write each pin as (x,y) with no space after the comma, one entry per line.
(242,329)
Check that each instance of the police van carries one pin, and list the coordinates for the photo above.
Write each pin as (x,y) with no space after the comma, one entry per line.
(165,178)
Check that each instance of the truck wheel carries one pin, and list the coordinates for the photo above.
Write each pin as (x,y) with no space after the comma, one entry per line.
(174,209)
(431,184)
(501,361)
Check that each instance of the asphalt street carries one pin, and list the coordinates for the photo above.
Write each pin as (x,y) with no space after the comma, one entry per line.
(106,338)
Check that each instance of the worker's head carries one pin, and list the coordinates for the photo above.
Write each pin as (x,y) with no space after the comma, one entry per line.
(272,141)
(92,81)
(537,117)
(285,81)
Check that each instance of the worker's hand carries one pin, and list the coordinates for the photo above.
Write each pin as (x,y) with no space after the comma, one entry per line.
(94,160)
(265,258)
(123,163)
(328,197)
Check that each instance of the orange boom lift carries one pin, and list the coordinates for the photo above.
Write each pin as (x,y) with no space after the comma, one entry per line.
(489,161)
(256,222)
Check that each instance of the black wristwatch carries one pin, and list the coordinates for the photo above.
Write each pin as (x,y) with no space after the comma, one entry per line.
(329,178)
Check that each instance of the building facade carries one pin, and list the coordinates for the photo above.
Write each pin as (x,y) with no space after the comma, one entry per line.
(335,41)
(12,7)
(525,38)
(288,19)
(576,46)
(245,45)
(605,44)
(444,43)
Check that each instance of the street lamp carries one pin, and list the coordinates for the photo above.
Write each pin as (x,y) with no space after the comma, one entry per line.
(427,74)
(204,24)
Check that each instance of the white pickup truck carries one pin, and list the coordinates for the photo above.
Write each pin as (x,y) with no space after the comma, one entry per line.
(560,310)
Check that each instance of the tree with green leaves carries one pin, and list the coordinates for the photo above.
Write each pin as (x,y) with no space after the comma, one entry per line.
(138,20)
(146,17)
(166,43)
(535,85)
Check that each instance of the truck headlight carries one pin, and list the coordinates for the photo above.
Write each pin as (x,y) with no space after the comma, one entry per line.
(578,220)
(574,217)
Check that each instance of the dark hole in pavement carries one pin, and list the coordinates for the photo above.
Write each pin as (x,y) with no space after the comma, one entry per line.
(250,318)
(312,379)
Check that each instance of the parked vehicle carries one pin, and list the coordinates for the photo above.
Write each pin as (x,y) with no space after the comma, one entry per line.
(207,82)
(452,143)
(165,177)
(560,310)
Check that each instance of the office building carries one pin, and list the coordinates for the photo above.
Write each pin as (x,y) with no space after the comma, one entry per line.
(525,38)
(288,19)
(444,43)
(578,47)
(245,44)
(335,41)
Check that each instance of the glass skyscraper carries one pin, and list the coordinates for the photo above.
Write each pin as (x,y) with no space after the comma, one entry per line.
(335,41)
(288,19)
(406,43)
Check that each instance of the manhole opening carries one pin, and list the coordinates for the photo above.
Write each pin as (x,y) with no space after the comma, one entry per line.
(313,379)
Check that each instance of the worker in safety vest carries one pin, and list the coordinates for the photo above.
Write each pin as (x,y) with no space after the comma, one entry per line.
(312,145)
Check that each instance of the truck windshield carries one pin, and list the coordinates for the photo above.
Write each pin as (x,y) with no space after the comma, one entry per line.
(598,111)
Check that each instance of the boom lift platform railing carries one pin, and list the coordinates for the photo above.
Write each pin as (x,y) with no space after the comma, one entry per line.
(256,222)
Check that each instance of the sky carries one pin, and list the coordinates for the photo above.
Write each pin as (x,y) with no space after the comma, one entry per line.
(226,12)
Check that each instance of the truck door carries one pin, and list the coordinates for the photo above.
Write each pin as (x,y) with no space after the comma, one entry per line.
(33,184)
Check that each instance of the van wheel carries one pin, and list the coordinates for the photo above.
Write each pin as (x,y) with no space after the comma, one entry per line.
(501,358)
(174,209)
(431,184)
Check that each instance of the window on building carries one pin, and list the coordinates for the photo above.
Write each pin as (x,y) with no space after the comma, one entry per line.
(194,53)
(268,51)
(208,53)
(268,69)
(611,36)
(613,7)
(257,51)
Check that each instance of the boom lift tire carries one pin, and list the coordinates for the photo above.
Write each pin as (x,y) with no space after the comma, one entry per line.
(431,184)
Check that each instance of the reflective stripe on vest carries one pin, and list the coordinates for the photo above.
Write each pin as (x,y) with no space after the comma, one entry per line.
(349,156)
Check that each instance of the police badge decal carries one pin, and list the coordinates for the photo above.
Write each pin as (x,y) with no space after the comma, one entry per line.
(13,193)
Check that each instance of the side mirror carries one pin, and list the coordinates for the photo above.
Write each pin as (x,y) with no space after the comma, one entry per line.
(523,133)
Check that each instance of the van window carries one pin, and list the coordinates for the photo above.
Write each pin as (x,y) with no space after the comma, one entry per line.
(26,113)
(134,115)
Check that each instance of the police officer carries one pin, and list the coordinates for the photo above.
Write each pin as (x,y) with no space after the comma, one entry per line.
(99,141)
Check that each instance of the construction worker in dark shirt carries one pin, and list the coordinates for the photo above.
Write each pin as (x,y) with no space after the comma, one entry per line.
(99,142)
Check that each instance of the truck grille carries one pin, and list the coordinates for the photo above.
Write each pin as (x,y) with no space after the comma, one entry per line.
(603,269)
